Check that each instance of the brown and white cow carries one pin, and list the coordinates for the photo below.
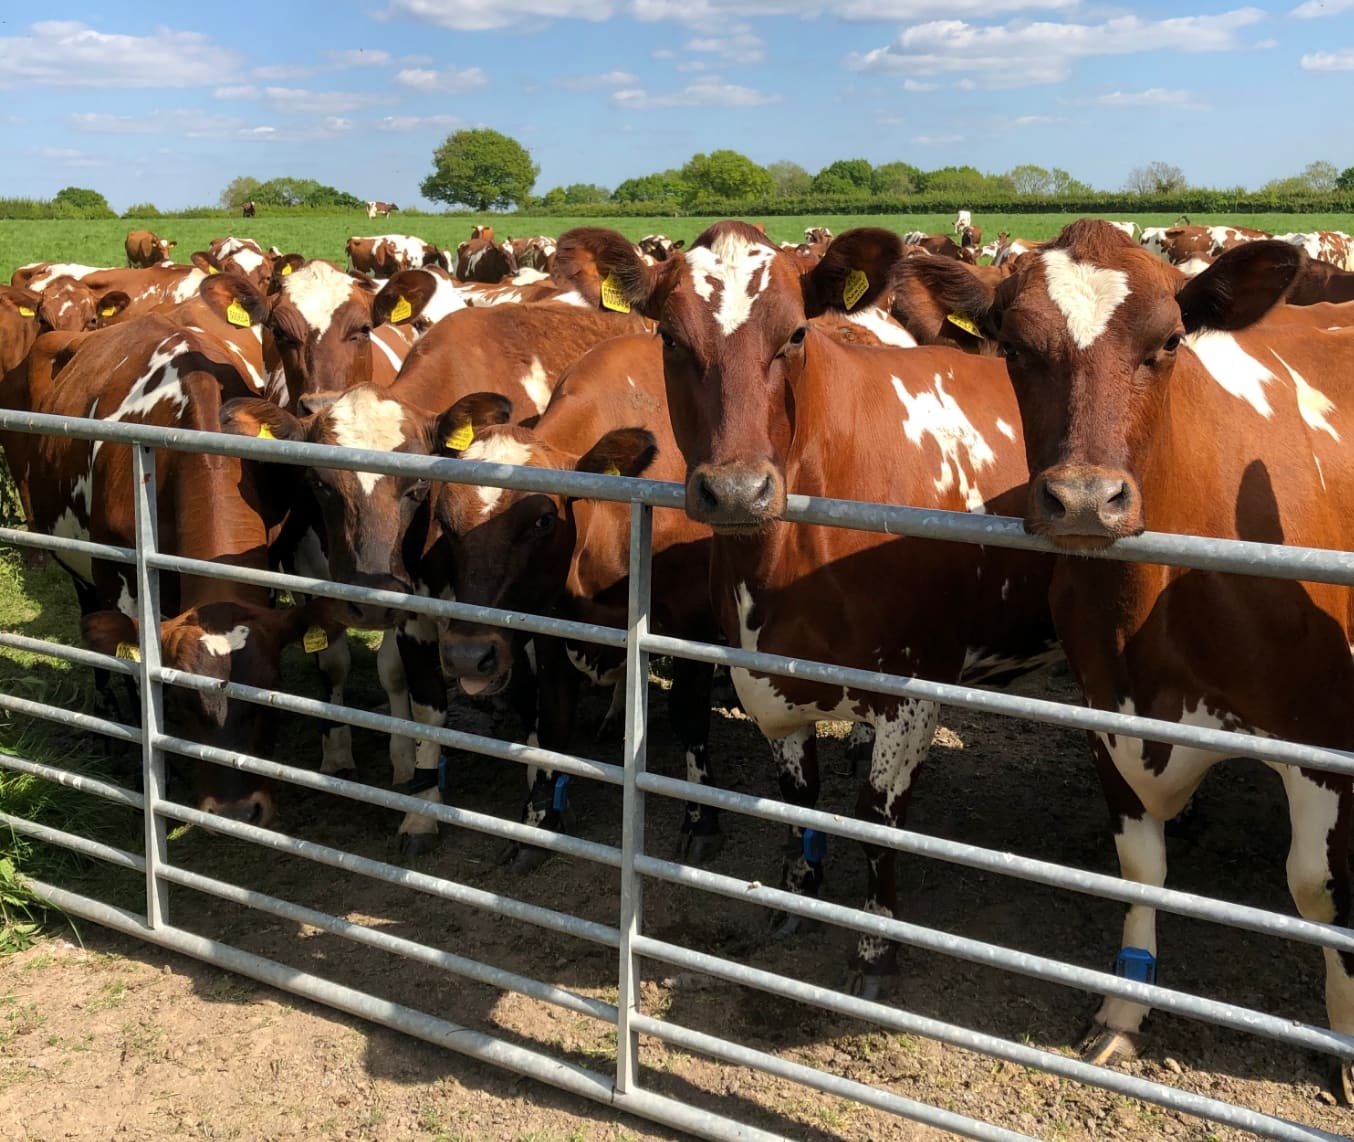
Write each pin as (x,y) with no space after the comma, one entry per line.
(1332,246)
(962,218)
(248,210)
(382,255)
(659,247)
(763,404)
(485,232)
(1154,402)
(144,248)
(536,253)
(380,209)
(484,260)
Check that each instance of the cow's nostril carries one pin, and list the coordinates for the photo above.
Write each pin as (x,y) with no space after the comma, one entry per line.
(706,493)
(1052,506)
(488,663)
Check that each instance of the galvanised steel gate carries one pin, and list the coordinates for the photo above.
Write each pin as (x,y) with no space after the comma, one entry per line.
(623,1089)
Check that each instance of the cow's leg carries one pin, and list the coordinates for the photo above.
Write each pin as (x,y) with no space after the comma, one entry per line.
(418,652)
(796,758)
(1318,878)
(612,722)
(390,669)
(859,747)
(689,709)
(901,742)
(336,739)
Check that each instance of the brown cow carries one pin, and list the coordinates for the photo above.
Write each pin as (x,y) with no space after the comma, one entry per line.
(485,232)
(248,210)
(380,209)
(536,253)
(145,249)
(659,247)
(1317,281)
(763,404)
(383,255)
(1149,403)
(483,260)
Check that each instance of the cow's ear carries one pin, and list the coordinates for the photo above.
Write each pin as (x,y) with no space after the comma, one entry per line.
(170,245)
(677,245)
(111,632)
(283,267)
(855,270)
(184,650)
(403,298)
(24,301)
(604,268)
(956,292)
(207,263)
(111,306)
(1240,287)
(457,428)
(621,452)
(235,299)
(253,416)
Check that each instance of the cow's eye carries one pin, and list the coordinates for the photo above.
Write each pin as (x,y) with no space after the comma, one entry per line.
(797,337)
(669,341)
(1172,343)
(545,523)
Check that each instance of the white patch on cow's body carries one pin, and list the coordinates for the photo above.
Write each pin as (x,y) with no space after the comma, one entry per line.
(882,326)
(1005,429)
(362,418)
(529,276)
(963,451)
(587,667)
(1233,368)
(318,290)
(537,384)
(496,450)
(151,388)
(248,260)
(126,604)
(1086,295)
(1313,405)
(70,525)
(1193,267)
(388,351)
(222,644)
(188,286)
(744,269)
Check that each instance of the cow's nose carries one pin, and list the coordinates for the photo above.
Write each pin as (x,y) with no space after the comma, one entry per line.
(735,496)
(1095,503)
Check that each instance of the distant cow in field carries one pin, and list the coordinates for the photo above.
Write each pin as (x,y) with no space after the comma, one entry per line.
(145,249)
(962,218)
(485,232)
(380,209)
(247,210)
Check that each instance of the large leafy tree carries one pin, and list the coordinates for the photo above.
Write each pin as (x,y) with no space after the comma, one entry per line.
(898,178)
(789,178)
(662,187)
(300,192)
(726,174)
(480,168)
(845,176)
(1156,178)
(239,191)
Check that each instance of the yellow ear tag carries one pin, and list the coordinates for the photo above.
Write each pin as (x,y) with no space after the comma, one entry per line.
(286,268)
(264,433)
(236,314)
(402,310)
(854,288)
(461,439)
(212,270)
(26,311)
(128,652)
(315,640)
(964,323)
(612,296)
(108,311)
(611,470)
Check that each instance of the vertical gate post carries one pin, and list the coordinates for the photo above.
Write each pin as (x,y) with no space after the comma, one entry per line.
(632,805)
(152,692)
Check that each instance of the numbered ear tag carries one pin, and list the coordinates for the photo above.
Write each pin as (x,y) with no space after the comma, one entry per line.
(461,439)
(611,470)
(212,269)
(402,310)
(265,433)
(613,297)
(108,311)
(236,314)
(854,288)
(964,323)
(315,640)
(128,652)
(286,268)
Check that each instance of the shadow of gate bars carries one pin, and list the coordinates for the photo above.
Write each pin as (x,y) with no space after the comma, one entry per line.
(623,1088)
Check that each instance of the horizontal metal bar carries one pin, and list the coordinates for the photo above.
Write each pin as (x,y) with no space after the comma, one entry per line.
(463,1040)
(1226,742)
(73,841)
(1243,557)
(75,654)
(78,781)
(898,1019)
(397,945)
(547,918)
(1214,1011)
(1009,864)
(730,1052)
(44,542)
(79,721)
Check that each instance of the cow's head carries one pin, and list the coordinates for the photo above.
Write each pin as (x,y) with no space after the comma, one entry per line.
(417,299)
(1092,326)
(366,516)
(18,324)
(68,305)
(513,549)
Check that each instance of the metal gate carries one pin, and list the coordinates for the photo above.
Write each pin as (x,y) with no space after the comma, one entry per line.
(622,1089)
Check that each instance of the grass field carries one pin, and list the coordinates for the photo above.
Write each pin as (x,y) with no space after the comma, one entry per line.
(323,236)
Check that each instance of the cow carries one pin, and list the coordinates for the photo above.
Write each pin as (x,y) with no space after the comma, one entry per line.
(485,232)
(962,218)
(1130,228)
(659,247)
(1319,280)
(551,554)
(484,260)
(380,209)
(1117,362)
(816,235)
(385,254)
(1332,246)
(762,404)
(536,253)
(1009,248)
(971,238)
(145,249)
(247,210)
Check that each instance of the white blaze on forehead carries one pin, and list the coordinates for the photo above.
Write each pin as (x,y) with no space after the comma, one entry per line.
(222,644)
(1233,368)
(1085,295)
(499,449)
(362,418)
(742,266)
(537,385)
(318,290)
(963,451)
(1313,405)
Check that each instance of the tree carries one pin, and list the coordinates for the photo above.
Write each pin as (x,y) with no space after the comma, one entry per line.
(663,187)
(967,180)
(845,176)
(88,202)
(725,174)
(898,178)
(239,191)
(1030,179)
(1156,178)
(1321,177)
(1063,185)
(789,178)
(482,169)
(300,192)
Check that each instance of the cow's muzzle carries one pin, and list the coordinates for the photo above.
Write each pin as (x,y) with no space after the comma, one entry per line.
(1084,508)
(480,662)
(735,498)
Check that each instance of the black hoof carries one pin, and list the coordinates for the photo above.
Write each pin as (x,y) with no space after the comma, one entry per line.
(524,859)
(864,985)
(786,925)
(414,845)
(700,848)
(1105,1047)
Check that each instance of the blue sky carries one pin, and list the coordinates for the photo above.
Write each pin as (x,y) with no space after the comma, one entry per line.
(167,102)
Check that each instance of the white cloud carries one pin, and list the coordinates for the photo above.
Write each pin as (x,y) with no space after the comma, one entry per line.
(450,81)
(1034,120)
(185,123)
(710,92)
(1019,54)
(936,140)
(1316,9)
(238,91)
(287,71)
(594,82)
(69,156)
(690,65)
(663,53)
(66,53)
(741,46)
(918,85)
(414,122)
(481,15)
(1341,60)
(359,57)
(1152,97)
(300,101)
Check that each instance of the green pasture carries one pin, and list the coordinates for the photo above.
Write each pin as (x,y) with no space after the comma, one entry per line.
(100,243)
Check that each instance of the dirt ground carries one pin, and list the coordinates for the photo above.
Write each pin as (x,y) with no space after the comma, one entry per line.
(122,1040)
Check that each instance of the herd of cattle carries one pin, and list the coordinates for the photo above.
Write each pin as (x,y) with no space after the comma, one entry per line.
(1086,384)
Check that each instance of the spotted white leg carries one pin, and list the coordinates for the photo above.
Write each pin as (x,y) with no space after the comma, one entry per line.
(796,758)
(336,740)
(390,669)
(418,651)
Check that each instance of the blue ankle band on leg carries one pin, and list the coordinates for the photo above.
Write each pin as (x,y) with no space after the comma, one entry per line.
(1137,964)
(561,792)
(815,846)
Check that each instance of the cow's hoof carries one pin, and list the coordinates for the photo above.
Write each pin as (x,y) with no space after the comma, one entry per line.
(1105,1047)
(864,985)
(414,845)
(700,848)
(1344,1081)
(524,859)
